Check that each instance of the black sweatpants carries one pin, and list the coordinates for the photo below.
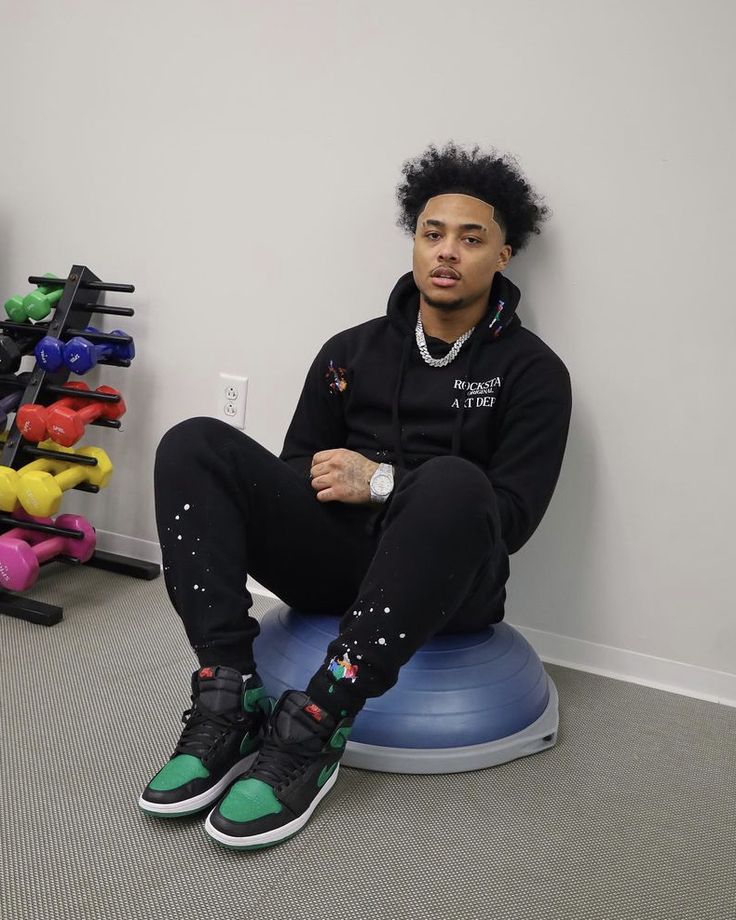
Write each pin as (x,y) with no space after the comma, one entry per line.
(227,508)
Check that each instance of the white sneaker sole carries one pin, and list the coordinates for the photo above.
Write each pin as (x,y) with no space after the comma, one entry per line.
(197,802)
(278,833)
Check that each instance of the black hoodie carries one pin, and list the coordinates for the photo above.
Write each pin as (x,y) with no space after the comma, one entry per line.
(504,403)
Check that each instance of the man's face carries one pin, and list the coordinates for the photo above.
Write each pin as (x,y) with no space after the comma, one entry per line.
(472,254)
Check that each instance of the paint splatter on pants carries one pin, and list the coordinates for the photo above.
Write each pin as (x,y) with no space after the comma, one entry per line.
(226,508)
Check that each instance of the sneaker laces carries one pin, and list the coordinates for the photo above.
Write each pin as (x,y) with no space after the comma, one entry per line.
(279,761)
(204,728)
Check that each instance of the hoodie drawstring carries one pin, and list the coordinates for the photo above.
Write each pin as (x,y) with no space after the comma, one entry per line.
(396,421)
(375,522)
(476,338)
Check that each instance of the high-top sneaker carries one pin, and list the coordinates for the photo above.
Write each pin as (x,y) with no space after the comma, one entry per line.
(296,767)
(222,732)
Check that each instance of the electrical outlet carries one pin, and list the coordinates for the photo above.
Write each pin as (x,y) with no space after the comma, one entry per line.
(231,398)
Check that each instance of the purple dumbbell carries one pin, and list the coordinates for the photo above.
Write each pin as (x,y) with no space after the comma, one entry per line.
(9,404)
(20,561)
(81,356)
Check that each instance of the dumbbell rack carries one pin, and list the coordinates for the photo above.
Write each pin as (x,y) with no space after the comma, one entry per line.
(82,290)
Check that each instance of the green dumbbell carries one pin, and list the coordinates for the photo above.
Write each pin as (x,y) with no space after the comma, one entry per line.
(42,301)
(36,305)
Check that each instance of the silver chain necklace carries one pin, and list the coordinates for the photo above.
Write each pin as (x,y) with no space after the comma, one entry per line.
(451,354)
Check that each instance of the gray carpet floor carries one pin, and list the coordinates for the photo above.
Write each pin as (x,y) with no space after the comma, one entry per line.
(631,816)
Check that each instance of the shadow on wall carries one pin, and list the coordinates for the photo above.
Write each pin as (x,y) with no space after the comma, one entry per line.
(554,585)
(5,291)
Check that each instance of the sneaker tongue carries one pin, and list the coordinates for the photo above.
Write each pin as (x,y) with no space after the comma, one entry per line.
(301,719)
(220,688)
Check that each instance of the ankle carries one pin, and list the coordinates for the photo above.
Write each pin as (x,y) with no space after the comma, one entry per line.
(334,699)
(225,656)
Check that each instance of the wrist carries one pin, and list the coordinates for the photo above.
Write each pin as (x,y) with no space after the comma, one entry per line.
(382,483)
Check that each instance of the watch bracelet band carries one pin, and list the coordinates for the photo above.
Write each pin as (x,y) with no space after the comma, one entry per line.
(382,499)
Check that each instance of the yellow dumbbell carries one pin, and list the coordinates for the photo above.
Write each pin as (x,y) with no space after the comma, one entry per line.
(40,493)
(10,478)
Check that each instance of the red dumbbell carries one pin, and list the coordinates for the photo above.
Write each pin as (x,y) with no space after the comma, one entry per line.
(32,419)
(66,426)
(20,561)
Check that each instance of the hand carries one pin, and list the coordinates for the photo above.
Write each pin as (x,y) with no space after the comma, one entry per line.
(342,475)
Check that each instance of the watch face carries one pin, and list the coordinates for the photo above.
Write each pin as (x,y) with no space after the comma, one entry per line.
(382,485)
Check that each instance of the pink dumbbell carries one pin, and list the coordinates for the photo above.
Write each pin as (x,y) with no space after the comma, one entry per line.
(30,536)
(20,561)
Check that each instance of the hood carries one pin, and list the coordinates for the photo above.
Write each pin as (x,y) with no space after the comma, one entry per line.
(402,311)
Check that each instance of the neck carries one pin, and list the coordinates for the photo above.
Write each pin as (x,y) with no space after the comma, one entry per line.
(450,325)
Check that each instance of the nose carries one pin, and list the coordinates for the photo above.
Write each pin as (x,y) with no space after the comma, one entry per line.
(448,251)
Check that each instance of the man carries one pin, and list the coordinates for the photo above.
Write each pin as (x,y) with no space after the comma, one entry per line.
(424,450)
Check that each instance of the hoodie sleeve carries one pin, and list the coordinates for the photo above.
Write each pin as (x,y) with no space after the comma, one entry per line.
(526,464)
(319,421)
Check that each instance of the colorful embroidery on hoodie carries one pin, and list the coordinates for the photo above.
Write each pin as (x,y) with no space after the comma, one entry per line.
(499,330)
(336,376)
(343,667)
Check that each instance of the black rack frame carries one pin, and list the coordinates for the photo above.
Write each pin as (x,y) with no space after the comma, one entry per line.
(82,290)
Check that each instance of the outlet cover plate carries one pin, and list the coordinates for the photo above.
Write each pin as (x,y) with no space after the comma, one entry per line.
(232,392)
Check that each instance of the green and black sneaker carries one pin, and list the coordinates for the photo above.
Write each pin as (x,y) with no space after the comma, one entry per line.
(222,733)
(296,767)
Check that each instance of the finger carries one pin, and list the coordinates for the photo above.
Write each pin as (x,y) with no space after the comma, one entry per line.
(326,495)
(322,455)
(322,469)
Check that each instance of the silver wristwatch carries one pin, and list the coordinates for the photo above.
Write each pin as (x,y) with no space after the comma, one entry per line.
(382,482)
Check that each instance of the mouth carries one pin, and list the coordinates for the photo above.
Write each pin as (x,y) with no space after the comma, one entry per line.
(442,281)
(444,277)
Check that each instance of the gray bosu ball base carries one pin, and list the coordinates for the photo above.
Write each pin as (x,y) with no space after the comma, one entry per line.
(536,737)
(461,702)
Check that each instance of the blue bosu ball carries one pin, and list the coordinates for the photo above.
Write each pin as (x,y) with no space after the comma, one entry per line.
(462,702)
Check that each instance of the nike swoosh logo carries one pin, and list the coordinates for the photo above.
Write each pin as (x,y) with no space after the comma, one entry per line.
(339,739)
(247,744)
(326,774)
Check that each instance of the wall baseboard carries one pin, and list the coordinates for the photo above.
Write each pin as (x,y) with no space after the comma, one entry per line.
(146,550)
(608,661)
(633,667)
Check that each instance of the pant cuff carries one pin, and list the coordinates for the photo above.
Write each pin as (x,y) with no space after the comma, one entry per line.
(337,699)
(210,656)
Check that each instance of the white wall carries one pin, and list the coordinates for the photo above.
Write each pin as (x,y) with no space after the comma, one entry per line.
(237,161)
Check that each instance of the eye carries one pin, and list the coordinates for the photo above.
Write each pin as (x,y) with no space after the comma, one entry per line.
(432,233)
(473,239)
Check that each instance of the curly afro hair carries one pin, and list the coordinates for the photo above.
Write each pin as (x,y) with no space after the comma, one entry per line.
(494,179)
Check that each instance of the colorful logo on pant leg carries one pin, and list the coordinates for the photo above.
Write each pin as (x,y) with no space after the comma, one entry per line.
(341,668)
(336,376)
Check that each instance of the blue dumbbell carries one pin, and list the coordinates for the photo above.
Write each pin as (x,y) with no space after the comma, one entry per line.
(50,353)
(81,356)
